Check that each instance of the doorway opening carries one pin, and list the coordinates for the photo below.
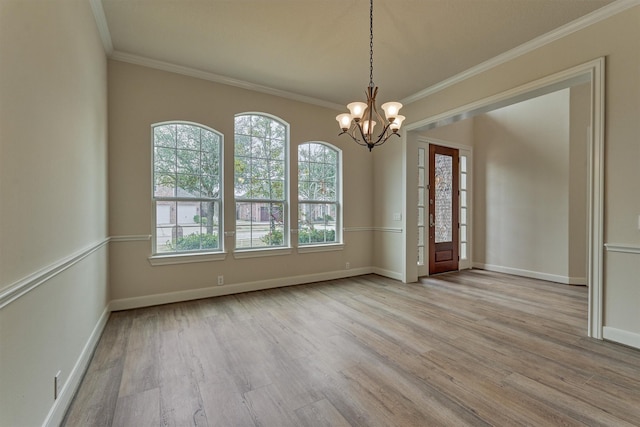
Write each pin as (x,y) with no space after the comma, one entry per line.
(591,73)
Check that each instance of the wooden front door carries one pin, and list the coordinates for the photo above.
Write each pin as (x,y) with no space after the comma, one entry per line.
(443,209)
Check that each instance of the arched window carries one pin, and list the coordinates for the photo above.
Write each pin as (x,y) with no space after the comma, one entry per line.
(187,188)
(318,194)
(261,181)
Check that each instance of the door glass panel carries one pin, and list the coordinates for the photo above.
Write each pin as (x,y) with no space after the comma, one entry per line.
(443,198)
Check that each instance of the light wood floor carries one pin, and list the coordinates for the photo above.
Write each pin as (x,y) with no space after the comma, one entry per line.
(471,348)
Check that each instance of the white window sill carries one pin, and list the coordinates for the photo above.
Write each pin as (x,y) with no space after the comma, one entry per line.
(307,249)
(262,252)
(186,258)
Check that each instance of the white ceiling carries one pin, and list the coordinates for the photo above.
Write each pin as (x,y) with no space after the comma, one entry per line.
(320,49)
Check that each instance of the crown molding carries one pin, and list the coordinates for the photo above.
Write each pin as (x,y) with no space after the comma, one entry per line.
(594,17)
(217,78)
(103,28)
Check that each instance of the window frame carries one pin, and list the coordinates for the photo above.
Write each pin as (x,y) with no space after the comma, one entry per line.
(337,201)
(285,247)
(187,256)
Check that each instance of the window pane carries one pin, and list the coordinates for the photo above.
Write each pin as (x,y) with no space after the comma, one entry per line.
(463,163)
(463,251)
(316,223)
(463,181)
(188,186)
(164,136)
(188,161)
(463,233)
(188,137)
(259,224)
(463,198)
(421,157)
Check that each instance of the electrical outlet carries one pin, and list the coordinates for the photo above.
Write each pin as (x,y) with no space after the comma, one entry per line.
(57,385)
(220,280)
(347,265)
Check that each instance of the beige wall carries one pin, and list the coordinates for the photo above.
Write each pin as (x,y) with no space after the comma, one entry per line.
(53,199)
(521,181)
(139,97)
(460,132)
(617,39)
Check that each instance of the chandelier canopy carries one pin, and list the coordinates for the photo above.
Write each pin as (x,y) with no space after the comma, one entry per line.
(362,117)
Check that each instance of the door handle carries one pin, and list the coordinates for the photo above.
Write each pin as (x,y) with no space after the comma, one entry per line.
(431,223)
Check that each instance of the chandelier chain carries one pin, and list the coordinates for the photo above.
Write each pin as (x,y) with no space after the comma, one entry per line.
(371,44)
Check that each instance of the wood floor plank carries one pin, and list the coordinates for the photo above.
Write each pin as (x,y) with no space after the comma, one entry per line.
(321,414)
(138,410)
(471,348)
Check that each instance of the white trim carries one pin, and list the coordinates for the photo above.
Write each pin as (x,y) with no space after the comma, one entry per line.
(388,229)
(257,253)
(103,27)
(353,229)
(186,258)
(620,336)
(387,273)
(595,199)
(308,249)
(217,78)
(560,80)
(623,248)
(29,283)
(214,291)
(531,274)
(131,238)
(60,405)
(560,32)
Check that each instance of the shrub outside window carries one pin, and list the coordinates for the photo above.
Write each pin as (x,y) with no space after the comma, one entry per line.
(187,188)
(261,181)
(318,194)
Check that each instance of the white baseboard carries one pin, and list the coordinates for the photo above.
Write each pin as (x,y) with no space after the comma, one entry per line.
(60,405)
(215,291)
(532,274)
(387,273)
(621,336)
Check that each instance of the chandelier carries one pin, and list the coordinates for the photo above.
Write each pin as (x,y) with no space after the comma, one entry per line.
(359,123)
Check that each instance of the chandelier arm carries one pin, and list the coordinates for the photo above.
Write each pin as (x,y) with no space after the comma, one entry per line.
(385,139)
(356,140)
